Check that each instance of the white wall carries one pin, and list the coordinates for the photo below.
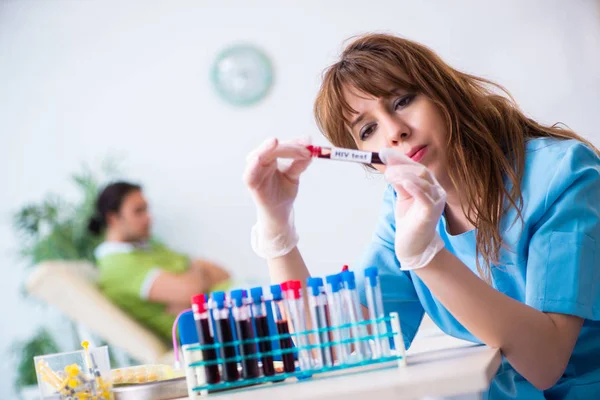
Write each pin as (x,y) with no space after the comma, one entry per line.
(82,79)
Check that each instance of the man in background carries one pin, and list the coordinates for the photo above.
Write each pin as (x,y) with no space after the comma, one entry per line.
(146,279)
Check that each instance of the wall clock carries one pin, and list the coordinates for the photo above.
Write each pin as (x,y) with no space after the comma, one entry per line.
(242,75)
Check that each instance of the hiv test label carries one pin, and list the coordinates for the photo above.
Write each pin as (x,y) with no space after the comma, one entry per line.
(351,155)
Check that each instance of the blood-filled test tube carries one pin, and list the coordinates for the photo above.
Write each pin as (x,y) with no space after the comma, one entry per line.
(350,296)
(261,324)
(205,337)
(341,154)
(245,334)
(281,321)
(317,303)
(376,311)
(224,334)
(295,305)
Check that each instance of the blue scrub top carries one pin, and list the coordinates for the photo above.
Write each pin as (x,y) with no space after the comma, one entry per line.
(549,263)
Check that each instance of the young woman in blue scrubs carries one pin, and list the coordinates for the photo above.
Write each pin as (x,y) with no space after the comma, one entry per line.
(490,223)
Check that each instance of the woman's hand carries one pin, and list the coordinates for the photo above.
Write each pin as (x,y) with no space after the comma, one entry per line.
(274,187)
(419,207)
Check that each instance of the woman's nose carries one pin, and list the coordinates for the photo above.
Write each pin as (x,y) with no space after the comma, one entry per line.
(397,131)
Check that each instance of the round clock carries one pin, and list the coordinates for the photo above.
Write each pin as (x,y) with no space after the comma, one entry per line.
(242,75)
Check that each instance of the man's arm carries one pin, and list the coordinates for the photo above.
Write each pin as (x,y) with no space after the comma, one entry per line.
(214,272)
(170,288)
(175,290)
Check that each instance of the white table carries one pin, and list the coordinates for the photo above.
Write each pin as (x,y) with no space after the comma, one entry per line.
(438,366)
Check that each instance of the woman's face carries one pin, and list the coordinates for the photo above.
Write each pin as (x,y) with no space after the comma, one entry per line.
(407,122)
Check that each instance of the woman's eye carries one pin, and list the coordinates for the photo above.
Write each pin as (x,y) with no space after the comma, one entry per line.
(404,101)
(366,132)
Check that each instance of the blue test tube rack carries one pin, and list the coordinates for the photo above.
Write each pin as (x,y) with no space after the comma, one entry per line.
(194,365)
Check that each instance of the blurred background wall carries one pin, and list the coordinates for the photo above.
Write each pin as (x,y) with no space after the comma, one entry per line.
(82,80)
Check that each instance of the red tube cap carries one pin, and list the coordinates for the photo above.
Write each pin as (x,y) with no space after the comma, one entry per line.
(199,303)
(294,287)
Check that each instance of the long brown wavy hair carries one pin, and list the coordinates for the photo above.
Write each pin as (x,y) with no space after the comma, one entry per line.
(486,130)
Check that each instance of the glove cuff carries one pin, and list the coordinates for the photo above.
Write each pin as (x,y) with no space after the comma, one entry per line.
(423,259)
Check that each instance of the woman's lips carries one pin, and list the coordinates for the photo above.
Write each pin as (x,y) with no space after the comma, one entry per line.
(419,154)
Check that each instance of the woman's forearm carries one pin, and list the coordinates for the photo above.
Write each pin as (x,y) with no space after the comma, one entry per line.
(288,267)
(532,341)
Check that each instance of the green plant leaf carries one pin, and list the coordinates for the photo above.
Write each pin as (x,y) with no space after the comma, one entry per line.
(55,229)
(41,343)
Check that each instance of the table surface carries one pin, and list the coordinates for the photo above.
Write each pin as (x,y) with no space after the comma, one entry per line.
(438,365)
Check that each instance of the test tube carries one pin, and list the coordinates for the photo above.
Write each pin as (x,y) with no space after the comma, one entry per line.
(337,317)
(205,337)
(245,333)
(335,153)
(317,303)
(350,296)
(225,336)
(261,324)
(281,321)
(295,306)
(376,311)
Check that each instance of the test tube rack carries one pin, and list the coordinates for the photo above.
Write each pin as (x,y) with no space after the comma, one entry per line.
(194,364)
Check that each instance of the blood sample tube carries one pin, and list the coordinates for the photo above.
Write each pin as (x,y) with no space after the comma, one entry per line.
(225,336)
(261,324)
(205,337)
(245,334)
(281,321)
(335,153)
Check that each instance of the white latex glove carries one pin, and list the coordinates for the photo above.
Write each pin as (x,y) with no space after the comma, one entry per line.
(273,184)
(419,206)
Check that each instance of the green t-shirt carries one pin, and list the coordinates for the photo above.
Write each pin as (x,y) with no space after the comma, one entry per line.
(127,273)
